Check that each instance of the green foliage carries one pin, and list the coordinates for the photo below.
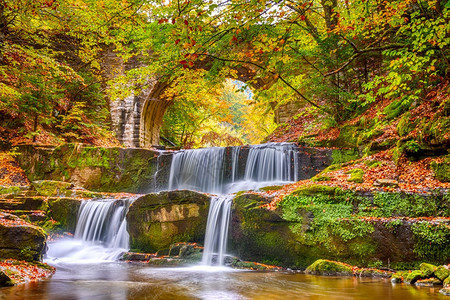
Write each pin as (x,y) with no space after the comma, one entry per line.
(399,204)
(431,241)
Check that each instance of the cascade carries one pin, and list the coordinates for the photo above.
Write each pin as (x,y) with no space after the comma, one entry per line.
(227,170)
(217,230)
(218,170)
(101,233)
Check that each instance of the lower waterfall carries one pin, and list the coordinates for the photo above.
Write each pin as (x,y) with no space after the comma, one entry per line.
(100,235)
(217,230)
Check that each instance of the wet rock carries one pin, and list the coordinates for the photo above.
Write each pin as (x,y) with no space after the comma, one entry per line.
(156,221)
(430,282)
(445,291)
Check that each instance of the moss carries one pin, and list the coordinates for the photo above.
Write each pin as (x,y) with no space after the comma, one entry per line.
(321,178)
(343,156)
(52,188)
(271,188)
(373,163)
(441,170)
(442,273)
(399,276)
(328,267)
(405,125)
(356,175)
(310,190)
(427,269)
(397,107)
(447,282)
(412,277)
(10,190)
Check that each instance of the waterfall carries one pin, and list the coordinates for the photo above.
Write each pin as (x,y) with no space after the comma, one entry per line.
(217,170)
(200,170)
(227,170)
(100,235)
(103,222)
(217,230)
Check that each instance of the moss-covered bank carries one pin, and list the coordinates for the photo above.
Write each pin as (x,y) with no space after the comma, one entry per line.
(367,229)
(95,168)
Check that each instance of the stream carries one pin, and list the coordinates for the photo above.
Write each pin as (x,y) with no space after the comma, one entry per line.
(135,281)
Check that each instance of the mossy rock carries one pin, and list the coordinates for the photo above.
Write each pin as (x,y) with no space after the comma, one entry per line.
(442,273)
(311,190)
(22,241)
(261,235)
(5,280)
(328,267)
(356,175)
(441,170)
(415,275)
(427,269)
(65,212)
(399,276)
(53,188)
(156,221)
(11,190)
(94,168)
(341,156)
(446,282)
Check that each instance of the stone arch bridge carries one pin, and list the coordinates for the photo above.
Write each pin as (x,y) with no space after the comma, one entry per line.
(137,119)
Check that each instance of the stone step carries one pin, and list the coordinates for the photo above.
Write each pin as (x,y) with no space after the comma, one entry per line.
(22,203)
(32,215)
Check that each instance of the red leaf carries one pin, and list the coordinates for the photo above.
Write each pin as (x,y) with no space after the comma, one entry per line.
(177,42)
(183,62)
(173,21)
(186,22)
(302,17)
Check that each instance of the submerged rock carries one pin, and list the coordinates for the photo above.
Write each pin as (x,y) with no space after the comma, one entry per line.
(156,221)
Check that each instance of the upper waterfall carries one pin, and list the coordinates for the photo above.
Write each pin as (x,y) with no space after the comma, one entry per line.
(229,169)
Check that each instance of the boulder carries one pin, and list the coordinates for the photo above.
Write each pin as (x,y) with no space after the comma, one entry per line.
(65,212)
(415,275)
(20,240)
(442,273)
(156,221)
(329,268)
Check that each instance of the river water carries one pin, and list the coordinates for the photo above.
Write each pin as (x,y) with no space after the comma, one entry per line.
(136,281)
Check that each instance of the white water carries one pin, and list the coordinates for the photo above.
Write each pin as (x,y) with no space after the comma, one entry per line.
(217,230)
(206,170)
(101,234)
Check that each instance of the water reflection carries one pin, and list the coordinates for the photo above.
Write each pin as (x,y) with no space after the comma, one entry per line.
(130,281)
